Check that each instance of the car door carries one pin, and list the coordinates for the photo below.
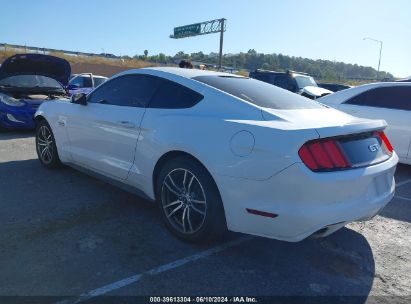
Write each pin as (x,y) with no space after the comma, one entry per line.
(393,104)
(104,133)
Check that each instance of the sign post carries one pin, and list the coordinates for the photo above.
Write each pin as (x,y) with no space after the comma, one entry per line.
(203,28)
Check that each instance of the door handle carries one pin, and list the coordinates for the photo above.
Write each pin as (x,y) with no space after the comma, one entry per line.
(126,124)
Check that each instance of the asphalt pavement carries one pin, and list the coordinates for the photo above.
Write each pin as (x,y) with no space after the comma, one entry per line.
(65,235)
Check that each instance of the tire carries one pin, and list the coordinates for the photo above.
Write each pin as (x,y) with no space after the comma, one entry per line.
(46,146)
(193,212)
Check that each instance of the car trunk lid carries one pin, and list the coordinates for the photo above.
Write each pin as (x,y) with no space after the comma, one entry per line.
(343,142)
(326,121)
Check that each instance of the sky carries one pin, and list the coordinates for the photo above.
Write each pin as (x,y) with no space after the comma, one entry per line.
(316,29)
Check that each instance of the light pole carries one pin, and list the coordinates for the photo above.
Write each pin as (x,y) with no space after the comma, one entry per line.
(379,60)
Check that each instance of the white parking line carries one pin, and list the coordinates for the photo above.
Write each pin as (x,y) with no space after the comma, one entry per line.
(403,198)
(135,278)
(403,183)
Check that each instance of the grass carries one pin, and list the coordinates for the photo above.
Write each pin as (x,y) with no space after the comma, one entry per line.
(125,63)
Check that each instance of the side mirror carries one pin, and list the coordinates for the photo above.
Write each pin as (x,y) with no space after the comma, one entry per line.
(72,86)
(80,99)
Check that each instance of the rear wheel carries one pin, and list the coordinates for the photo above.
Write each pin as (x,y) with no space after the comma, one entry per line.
(189,200)
(46,145)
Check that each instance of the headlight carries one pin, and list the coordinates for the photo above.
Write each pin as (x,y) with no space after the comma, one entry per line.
(10,101)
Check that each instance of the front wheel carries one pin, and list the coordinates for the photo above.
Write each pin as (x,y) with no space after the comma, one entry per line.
(189,200)
(46,145)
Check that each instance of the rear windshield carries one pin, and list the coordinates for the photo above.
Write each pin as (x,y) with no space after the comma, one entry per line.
(259,93)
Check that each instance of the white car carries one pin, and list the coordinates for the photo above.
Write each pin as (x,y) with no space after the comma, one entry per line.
(390,101)
(84,83)
(219,151)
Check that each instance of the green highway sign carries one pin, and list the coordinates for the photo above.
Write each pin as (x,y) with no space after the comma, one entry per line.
(202,28)
(187,30)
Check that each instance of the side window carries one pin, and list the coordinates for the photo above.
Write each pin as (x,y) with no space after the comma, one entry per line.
(285,82)
(398,97)
(87,83)
(171,95)
(263,77)
(128,90)
(82,81)
(78,81)
(359,100)
(98,81)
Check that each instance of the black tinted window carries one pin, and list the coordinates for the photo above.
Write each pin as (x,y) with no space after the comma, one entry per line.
(386,97)
(285,82)
(259,93)
(171,95)
(128,90)
(262,77)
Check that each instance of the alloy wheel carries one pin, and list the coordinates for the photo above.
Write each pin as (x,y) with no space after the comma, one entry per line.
(45,144)
(184,201)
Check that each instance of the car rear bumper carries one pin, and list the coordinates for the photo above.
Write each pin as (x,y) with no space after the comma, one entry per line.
(306,202)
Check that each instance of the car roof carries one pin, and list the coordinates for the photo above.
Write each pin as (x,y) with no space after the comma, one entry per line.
(87,74)
(186,73)
(270,72)
(289,72)
(343,95)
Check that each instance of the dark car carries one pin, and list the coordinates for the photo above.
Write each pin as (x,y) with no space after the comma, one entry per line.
(300,83)
(404,80)
(335,87)
(26,81)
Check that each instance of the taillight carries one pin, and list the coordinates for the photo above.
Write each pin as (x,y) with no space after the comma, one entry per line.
(346,152)
(323,155)
(386,141)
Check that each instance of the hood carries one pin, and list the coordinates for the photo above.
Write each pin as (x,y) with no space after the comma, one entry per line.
(37,64)
(315,91)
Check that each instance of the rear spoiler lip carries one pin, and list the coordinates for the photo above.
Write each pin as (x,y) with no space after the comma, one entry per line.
(361,126)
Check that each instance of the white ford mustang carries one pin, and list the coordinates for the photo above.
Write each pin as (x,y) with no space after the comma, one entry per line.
(221,151)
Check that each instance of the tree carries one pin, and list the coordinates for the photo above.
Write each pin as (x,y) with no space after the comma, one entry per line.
(265,66)
(145,53)
(162,58)
(326,70)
